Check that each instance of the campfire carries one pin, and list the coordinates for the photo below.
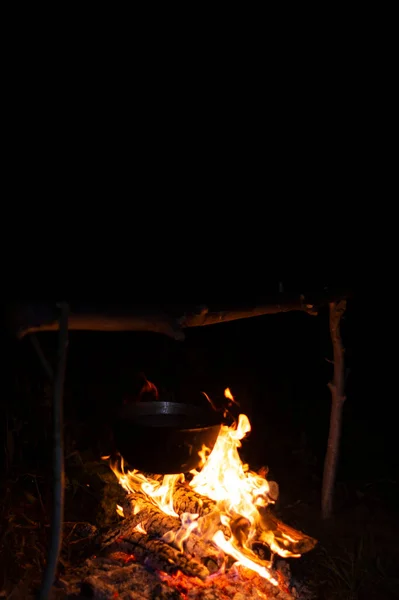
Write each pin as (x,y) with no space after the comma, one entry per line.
(206,535)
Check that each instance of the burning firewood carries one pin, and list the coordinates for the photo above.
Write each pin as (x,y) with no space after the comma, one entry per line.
(225,508)
(156,554)
(186,500)
(142,514)
(281,538)
(271,531)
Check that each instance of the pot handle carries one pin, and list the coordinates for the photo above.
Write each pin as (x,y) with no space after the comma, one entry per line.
(230,408)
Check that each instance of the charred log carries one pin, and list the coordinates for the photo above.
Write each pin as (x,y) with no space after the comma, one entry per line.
(156,554)
(159,525)
(185,499)
(138,564)
(281,538)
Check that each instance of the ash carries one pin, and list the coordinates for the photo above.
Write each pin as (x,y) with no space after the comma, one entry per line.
(120,576)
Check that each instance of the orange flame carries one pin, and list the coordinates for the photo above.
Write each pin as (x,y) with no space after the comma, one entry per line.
(237,492)
(230,396)
(160,493)
(228,548)
(223,478)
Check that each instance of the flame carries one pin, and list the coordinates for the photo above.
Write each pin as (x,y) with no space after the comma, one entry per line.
(140,529)
(119,510)
(189,523)
(160,493)
(228,548)
(229,396)
(237,492)
(203,454)
(226,480)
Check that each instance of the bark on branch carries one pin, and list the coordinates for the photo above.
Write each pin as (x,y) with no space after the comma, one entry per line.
(336,386)
(156,323)
(205,317)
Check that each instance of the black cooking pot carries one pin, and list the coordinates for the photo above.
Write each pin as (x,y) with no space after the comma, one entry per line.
(165,437)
